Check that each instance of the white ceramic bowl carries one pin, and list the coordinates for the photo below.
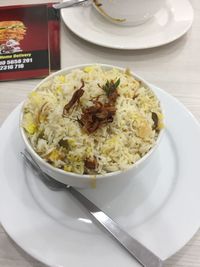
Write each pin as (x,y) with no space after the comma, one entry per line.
(78,180)
(128,12)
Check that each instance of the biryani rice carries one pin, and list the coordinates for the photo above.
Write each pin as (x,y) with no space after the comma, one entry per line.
(116,145)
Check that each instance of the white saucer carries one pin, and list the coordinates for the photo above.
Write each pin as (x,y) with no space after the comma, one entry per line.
(170,23)
(159,206)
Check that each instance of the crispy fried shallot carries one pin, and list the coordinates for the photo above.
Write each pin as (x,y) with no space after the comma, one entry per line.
(155,120)
(75,98)
(100,113)
(42,109)
(95,116)
(91,164)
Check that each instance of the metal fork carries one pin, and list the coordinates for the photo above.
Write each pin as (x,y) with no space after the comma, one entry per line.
(143,255)
(71,3)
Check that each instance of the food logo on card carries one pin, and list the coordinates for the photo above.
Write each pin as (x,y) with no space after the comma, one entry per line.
(25,46)
(11,33)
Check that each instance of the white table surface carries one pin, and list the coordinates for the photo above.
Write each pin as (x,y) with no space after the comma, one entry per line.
(174,68)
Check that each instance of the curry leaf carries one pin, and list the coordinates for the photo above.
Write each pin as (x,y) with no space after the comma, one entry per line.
(110,86)
(117,83)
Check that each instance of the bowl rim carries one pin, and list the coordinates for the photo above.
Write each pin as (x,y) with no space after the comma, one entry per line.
(87,176)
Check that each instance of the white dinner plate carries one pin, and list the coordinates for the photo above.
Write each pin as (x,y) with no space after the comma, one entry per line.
(159,207)
(170,23)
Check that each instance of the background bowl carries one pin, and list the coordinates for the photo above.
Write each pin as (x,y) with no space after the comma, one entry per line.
(128,12)
(83,180)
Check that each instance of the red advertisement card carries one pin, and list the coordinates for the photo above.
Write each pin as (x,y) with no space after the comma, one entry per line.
(54,37)
(25,47)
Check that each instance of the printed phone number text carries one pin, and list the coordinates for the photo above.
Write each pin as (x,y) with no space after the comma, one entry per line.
(12,64)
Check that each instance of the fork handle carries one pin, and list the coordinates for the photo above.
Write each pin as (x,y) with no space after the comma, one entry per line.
(143,255)
(69,3)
